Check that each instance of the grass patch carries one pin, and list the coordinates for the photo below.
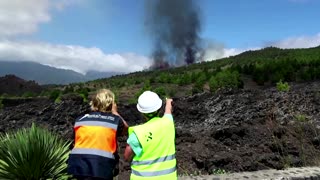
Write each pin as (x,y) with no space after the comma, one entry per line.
(283,86)
(301,118)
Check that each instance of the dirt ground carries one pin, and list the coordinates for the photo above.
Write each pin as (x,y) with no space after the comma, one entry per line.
(231,130)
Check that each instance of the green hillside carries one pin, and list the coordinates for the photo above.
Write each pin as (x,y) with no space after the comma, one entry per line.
(251,69)
(263,67)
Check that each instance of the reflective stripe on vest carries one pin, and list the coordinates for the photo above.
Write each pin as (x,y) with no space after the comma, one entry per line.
(96,123)
(154,173)
(158,159)
(92,152)
(95,134)
(149,162)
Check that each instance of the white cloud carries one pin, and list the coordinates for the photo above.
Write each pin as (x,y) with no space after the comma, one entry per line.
(61,4)
(213,53)
(77,58)
(217,51)
(298,42)
(22,17)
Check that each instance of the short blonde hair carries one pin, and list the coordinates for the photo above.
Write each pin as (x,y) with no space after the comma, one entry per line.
(102,101)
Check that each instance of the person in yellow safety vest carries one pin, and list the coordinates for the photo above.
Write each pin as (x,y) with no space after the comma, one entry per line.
(151,146)
(94,155)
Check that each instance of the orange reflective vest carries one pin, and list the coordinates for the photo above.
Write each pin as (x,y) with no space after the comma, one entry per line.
(95,145)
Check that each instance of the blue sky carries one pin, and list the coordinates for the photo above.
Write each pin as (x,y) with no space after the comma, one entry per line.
(117,26)
(63,33)
(114,26)
(248,23)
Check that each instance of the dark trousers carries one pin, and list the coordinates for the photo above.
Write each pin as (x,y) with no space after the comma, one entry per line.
(89,178)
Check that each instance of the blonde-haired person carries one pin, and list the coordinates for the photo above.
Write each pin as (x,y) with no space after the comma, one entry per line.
(95,154)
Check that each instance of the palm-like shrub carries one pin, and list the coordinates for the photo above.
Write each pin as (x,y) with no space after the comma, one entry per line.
(33,154)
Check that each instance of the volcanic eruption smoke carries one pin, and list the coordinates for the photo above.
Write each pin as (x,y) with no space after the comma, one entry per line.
(174,26)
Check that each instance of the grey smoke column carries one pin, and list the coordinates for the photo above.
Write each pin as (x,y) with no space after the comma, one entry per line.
(174,26)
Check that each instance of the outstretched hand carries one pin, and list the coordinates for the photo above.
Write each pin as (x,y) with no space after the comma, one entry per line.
(169,101)
(168,108)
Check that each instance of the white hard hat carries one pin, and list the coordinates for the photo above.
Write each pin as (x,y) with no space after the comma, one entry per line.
(149,102)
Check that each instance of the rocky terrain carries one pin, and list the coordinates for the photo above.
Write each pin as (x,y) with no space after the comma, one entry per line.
(229,131)
(17,86)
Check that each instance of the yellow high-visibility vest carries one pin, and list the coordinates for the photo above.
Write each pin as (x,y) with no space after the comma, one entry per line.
(158,161)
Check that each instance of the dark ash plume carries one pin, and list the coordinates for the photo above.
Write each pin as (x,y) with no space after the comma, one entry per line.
(174,26)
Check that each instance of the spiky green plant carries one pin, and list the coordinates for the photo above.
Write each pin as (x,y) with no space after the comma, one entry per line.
(32,154)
